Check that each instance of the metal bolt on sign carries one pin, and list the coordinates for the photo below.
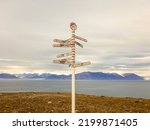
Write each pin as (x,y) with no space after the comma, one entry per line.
(69,57)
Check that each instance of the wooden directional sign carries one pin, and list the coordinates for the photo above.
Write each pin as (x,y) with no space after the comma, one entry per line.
(79,44)
(69,42)
(65,58)
(61,45)
(59,41)
(59,62)
(80,38)
(65,44)
(81,64)
(64,55)
(62,61)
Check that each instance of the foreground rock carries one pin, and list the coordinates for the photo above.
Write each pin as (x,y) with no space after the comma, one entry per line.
(61,102)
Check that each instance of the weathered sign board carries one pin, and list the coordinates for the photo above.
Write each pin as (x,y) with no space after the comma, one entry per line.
(64,55)
(81,64)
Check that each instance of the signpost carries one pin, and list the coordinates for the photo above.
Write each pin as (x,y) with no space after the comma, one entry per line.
(69,58)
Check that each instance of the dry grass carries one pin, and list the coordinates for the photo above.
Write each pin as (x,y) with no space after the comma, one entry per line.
(61,102)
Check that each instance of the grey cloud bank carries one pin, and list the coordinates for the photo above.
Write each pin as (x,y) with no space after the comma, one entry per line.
(117,33)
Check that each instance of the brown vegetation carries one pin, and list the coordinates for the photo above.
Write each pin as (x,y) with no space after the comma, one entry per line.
(61,102)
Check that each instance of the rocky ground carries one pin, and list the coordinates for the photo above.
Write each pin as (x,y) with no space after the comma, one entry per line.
(61,102)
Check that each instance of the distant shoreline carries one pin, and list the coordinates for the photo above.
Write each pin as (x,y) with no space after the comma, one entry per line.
(79,76)
(78,79)
(35,102)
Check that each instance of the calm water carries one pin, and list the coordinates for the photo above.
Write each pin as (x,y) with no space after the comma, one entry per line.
(103,87)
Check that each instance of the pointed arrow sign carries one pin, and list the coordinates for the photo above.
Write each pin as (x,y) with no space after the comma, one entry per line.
(80,38)
(79,44)
(62,61)
(59,41)
(65,58)
(59,62)
(81,64)
(64,55)
(61,45)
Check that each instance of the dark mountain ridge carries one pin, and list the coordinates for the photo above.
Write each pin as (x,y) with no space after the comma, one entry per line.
(79,76)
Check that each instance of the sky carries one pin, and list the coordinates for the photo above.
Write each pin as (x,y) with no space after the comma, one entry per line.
(118,34)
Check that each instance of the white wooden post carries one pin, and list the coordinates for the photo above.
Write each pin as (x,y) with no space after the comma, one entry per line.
(73,71)
(66,59)
(73,90)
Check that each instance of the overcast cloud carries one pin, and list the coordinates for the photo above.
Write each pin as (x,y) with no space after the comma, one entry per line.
(118,33)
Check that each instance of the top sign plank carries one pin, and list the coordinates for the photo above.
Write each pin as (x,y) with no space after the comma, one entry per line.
(63,43)
(80,38)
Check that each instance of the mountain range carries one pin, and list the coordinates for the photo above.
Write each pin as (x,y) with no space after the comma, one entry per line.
(79,76)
